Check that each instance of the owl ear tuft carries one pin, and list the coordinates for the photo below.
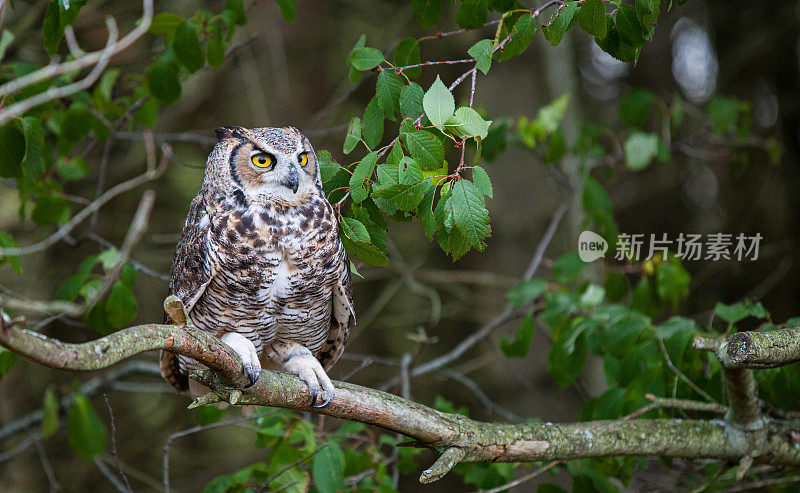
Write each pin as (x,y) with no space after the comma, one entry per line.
(226,132)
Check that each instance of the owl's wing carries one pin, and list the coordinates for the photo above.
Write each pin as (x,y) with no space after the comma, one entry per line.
(192,270)
(343,316)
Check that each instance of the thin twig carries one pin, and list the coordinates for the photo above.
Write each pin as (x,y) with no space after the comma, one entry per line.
(198,429)
(48,469)
(23,106)
(110,475)
(95,205)
(523,479)
(114,441)
(53,71)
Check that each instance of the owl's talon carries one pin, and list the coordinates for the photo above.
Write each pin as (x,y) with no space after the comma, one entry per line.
(303,364)
(314,393)
(247,351)
(252,373)
(327,401)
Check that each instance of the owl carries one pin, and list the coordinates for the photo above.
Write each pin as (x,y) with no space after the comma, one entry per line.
(260,264)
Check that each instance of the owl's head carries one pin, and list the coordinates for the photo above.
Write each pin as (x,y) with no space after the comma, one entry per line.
(265,163)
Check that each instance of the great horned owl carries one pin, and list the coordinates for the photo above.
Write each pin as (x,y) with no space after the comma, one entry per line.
(260,263)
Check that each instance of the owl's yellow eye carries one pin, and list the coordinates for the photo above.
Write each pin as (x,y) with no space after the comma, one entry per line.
(303,159)
(262,160)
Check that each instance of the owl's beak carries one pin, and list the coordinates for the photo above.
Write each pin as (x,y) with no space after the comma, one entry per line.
(292,180)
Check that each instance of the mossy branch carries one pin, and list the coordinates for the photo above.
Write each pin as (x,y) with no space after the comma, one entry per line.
(459,438)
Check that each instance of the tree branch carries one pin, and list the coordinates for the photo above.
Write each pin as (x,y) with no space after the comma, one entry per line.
(755,349)
(460,438)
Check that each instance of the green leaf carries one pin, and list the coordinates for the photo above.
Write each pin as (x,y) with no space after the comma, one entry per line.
(372,128)
(628,26)
(482,53)
(356,239)
(466,122)
(327,166)
(85,431)
(469,212)
(7,241)
(12,151)
(50,410)
(411,101)
(426,149)
(410,189)
(327,470)
(6,38)
(647,13)
(76,122)
(50,209)
(635,108)
(565,365)
(147,114)
(472,13)
(526,291)
(592,17)
(360,180)
(724,114)
(215,47)
(368,214)
(7,359)
(72,169)
(568,267)
(288,9)
(640,149)
(355,75)
(521,36)
(187,47)
(438,103)
(562,20)
(407,53)
(672,283)
(51,27)
(163,81)
(593,295)
(387,90)
(68,11)
(121,306)
(33,162)
(521,344)
(614,46)
(739,311)
(482,181)
(366,58)
(427,12)
(106,84)
(353,136)
(165,23)
(236,8)
(549,116)
(676,324)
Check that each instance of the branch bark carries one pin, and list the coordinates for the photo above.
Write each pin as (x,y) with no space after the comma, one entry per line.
(459,438)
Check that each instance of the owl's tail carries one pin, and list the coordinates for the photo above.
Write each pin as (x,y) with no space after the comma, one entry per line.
(171,371)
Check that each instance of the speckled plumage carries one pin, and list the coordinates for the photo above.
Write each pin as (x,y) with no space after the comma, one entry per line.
(259,259)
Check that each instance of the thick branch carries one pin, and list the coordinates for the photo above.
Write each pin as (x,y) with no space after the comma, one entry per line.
(738,355)
(106,351)
(755,349)
(461,438)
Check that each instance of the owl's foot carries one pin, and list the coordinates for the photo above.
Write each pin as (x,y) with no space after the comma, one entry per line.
(302,363)
(247,351)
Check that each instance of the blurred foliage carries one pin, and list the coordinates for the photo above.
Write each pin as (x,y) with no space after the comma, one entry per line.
(626,312)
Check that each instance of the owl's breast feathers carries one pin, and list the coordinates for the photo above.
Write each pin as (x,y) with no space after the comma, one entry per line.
(269,272)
